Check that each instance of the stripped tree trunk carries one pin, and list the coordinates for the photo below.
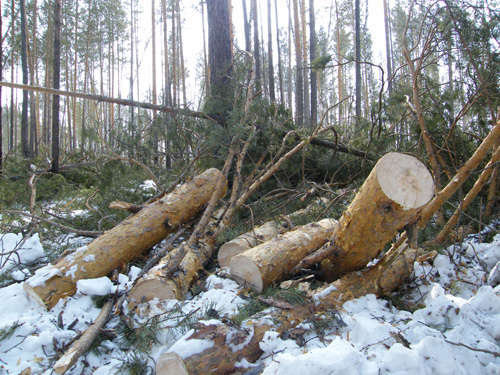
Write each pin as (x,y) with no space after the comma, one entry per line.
(272,261)
(123,243)
(257,236)
(390,198)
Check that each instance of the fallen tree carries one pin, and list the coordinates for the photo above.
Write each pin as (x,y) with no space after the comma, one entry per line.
(229,344)
(390,199)
(123,243)
(174,274)
(258,235)
(272,261)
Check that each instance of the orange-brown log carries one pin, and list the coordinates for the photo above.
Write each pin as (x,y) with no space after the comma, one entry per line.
(159,283)
(390,198)
(231,343)
(246,241)
(272,261)
(260,234)
(125,242)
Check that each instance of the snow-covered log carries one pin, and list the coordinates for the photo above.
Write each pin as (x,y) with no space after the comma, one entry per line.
(272,261)
(228,344)
(124,242)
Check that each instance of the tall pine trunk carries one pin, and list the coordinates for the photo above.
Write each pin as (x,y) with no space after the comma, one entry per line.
(358,58)
(280,70)
(299,80)
(56,79)
(307,102)
(388,45)
(312,56)
(272,96)
(256,46)
(25,147)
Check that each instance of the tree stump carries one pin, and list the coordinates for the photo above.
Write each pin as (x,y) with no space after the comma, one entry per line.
(271,261)
(124,242)
(391,198)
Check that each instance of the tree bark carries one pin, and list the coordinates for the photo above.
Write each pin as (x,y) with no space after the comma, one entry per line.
(123,243)
(391,198)
(25,149)
(299,78)
(248,240)
(56,79)
(272,261)
(220,60)
(221,357)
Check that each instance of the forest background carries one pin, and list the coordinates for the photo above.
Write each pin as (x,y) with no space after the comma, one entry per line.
(292,65)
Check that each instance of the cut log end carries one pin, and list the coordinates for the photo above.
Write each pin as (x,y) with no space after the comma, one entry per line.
(170,364)
(405,180)
(30,292)
(246,273)
(227,252)
(146,290)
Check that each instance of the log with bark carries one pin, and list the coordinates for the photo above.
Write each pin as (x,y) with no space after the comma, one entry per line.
(230,344)
(175,273)
(123,243)
(272,261)
(390,199)
(259,235)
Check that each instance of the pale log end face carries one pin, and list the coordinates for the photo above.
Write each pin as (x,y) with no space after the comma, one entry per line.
(405,180)
(30,292)
(146,290)
(170,364)
(246,273)
(227,252)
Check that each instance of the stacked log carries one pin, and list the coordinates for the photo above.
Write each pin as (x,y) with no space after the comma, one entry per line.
(272,261)
(124,242)
(259,235)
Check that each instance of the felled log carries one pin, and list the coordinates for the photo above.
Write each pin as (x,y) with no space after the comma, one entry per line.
(246,241)
(231,344)
(123,243)
(260,234)
(272,261)
(165,283)
(175,273)
(81,346)
(390,199)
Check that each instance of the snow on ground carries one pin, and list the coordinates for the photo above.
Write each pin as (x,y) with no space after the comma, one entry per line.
(455,330)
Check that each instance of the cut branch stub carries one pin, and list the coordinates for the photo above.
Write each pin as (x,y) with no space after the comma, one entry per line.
(390,198)
(125,242)
(272,261)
